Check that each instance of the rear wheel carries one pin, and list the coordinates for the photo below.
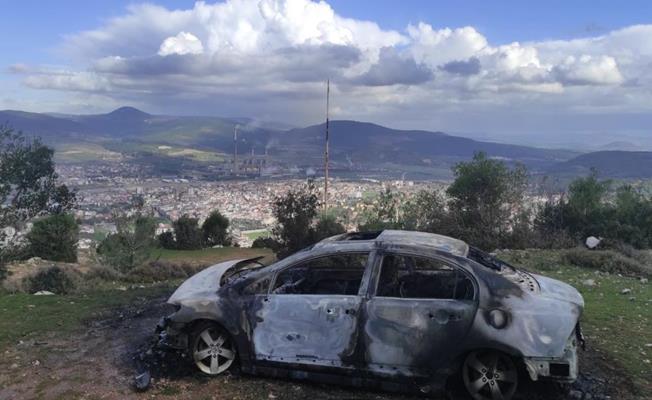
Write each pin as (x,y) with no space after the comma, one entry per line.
(212,348)
(489,375)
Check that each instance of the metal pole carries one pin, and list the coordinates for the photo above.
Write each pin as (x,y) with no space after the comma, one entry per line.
(328,91)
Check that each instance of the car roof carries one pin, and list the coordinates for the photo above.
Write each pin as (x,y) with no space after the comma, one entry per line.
(398,237)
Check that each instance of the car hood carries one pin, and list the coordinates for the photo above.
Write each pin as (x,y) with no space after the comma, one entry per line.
(203,284)
(558,290)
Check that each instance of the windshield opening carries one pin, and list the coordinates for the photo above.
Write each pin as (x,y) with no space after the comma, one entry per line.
(487,259)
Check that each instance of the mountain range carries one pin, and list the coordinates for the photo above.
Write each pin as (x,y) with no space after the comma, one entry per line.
(357,147)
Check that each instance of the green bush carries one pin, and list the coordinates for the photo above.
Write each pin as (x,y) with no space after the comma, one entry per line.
(102,273)
(52,279)
(327,226)
(131,245)
(157,271)
(54,238)
(295,214)
(187,233)
(606,261)
(166,240)
(264,242)
(214,230)
(3,272)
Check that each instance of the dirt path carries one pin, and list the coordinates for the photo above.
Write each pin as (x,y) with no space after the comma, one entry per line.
(99,364)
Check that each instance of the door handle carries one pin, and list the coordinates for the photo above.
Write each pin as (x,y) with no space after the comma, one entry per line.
(443,316)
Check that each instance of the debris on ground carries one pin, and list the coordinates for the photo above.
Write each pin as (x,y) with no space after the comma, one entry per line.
(43,293)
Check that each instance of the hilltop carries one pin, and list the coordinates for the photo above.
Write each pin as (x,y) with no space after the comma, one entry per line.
(128,133)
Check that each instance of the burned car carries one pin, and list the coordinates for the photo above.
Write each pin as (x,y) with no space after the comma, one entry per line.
(391,309)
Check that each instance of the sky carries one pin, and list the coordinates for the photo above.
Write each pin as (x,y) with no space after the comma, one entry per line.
(531,72)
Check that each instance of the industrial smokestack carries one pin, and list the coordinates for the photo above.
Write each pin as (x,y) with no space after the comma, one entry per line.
(235,150)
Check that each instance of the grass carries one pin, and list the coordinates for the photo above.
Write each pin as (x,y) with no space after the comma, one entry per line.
(25,316)
(619,325)
(253,235)
(211,256)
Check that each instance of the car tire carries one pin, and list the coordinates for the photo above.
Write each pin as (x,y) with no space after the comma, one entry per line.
(489,375)
(212,349)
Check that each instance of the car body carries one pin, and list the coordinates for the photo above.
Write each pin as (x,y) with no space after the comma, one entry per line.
(394,307)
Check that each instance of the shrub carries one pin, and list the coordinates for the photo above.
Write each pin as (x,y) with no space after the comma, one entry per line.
(54,238)
(166,240)
(606,261)
(157,271)
(327,226)
(264,242)
(52,279)
(130,246)
(102,273)
(3,272)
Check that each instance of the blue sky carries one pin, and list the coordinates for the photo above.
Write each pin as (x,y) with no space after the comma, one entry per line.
(508,67)
(42,24)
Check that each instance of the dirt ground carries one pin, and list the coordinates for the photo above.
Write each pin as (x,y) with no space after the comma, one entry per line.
(100,363)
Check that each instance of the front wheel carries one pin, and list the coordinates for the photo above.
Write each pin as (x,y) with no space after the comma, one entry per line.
(489,375)
(212,348)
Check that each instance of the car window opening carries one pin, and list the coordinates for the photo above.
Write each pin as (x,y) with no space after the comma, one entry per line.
(406,276)
(339,274)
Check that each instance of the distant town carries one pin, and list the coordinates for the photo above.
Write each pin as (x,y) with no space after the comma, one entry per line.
(247,203)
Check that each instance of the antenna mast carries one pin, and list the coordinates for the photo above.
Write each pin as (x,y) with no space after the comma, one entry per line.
(328,92)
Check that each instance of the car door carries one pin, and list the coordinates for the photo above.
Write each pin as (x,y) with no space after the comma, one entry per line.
(310,315)
(421,309)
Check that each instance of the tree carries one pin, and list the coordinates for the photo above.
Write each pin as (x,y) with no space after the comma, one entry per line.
(54,238)
(385,212)
(485,198)
(214,229)
(295,213)
(187,233)
(166,240)
(427,212)
(583,211)
(327,226)
(264,242)
(28,186)
(631,218)
(132,245)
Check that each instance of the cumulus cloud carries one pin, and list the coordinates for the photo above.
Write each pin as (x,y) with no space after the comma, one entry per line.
(463,67)
(273,56)
(394,69)
(182,43)
(588,70)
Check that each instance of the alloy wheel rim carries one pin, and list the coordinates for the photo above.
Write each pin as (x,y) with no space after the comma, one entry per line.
(490,376)
(213,352)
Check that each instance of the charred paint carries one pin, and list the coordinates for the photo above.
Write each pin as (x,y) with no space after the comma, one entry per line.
(365,336)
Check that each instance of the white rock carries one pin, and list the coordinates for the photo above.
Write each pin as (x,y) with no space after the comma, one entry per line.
(43,293)
(592,242)
(644,280)
(626,291)
(589,282)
